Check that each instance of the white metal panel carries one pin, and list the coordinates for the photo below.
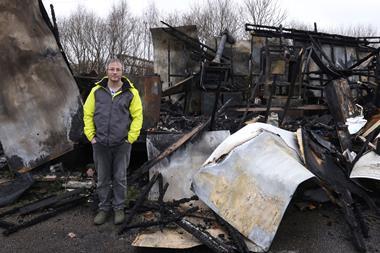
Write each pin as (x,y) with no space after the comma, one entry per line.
(251,187)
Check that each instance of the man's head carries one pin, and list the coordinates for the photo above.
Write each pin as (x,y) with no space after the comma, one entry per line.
(114,70)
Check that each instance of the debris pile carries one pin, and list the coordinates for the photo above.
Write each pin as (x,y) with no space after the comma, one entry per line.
(240,124)
(322,88)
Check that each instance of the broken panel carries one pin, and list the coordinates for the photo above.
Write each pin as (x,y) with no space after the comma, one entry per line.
(39,99)
(179,168)
(368,166)
(171,55)
(251,186)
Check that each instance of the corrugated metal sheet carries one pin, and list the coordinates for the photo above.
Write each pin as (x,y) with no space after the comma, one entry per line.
(251,186)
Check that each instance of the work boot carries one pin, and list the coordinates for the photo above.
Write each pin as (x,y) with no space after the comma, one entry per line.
(119,216)
(100,217)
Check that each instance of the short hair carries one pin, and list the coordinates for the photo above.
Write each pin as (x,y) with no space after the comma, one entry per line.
(115,60)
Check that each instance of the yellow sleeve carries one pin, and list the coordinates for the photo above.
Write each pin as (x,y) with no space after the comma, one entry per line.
(136,112)
(88,115)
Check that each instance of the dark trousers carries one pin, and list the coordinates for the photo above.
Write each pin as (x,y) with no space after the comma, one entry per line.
(111,165)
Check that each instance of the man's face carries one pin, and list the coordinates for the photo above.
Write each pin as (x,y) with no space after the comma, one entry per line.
(114,71)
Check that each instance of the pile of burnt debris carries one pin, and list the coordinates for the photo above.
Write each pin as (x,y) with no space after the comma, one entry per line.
(27,199)
(231,129)
(318,96)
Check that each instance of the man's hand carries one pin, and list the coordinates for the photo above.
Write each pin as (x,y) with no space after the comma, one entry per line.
(93,141)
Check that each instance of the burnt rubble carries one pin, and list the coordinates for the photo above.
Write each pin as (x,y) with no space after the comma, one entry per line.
(240,124)
(324,84)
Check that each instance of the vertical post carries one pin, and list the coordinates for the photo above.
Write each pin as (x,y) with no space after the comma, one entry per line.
(169,82)
(376,98)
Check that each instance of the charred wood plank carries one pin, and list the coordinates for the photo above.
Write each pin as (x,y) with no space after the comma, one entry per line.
(162,190)
(5,224)
(332,178)
(295,73)
(344,137)
(237,237)
(164,221)
(139,202)
(50,201)
(280,109)
(73,203)
(269,102)
(204,237)
(340,100)
(150,163)
(376,97)
(178,87)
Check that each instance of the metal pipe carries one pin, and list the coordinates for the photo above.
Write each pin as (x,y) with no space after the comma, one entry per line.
(220,50)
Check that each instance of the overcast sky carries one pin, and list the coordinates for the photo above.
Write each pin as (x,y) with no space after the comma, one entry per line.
(327,13)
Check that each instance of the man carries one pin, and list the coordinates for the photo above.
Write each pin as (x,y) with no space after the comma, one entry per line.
(112,122)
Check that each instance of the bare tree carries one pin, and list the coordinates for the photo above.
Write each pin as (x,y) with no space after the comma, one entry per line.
(264,12)
(120,27)
(75,39)
(359,30)
(299,25)
(213,17)
(150,19)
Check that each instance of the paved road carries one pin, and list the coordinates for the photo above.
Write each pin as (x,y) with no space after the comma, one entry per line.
(320,230)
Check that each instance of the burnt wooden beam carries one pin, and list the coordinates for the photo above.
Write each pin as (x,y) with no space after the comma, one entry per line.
(178,87)
(269,102)
(172,148)
(50,201)
(5,224)
(341,105)
(204,237)
(332,178)
(376,97)
(237,237)
(164,221)
(280,109)
(184,139)
(73,203)
(340,100)
(139,202)
(296,70)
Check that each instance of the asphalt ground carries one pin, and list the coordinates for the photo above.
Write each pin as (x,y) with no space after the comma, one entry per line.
(320,230)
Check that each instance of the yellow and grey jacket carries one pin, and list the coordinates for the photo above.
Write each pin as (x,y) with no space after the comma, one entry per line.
(113,119)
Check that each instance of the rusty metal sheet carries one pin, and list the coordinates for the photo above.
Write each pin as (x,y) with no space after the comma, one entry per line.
(368,166)
(252,185)
(39,99)
(179,168)
(150,88)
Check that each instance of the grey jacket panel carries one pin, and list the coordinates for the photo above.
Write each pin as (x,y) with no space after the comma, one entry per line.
(112,117)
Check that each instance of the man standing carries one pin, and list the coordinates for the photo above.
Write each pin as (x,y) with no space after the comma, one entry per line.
(112,122)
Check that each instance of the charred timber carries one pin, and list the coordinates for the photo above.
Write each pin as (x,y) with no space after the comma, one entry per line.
(302,35)
(72,203)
